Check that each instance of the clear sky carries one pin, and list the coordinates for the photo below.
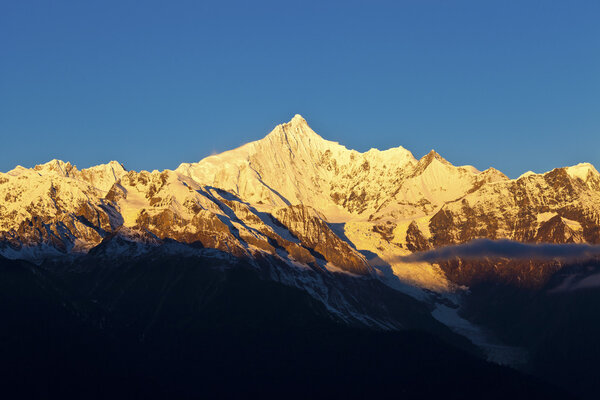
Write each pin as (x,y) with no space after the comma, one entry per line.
(509,84)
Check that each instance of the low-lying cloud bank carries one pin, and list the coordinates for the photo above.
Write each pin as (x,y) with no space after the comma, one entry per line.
(482,248)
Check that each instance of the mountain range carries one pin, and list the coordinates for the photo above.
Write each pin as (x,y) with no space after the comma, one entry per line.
(369,241)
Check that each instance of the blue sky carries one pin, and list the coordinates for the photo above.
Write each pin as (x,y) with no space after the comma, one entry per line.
(509,84)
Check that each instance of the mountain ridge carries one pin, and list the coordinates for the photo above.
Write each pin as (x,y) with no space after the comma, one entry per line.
(375,191)
(374,207)
(295,122)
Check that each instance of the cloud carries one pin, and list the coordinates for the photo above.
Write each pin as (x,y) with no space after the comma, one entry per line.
(482,248)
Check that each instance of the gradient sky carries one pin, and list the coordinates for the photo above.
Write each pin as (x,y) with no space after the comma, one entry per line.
(509,84)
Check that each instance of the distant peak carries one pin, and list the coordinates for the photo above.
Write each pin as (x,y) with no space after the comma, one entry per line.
(583,165)
(55,166)
(298,119)
(54,162)
(427,160)
(526,175)
(296,127)
(111,164)
(582,171)
(494,171)
(494,175)
(433,155)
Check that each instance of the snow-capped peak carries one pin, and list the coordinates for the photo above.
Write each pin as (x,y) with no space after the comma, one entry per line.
(582,171)
(18,170)
(393,156)
(294,165)
(297,127)
(112,168)
(434,155)
(57,167)
(430,159)
(297,119)
(526,174)
(103,176)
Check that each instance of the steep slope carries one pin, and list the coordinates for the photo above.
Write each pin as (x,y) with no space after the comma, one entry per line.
(55,209)
(294,165)
(54,206)
(411,205)
(555,207)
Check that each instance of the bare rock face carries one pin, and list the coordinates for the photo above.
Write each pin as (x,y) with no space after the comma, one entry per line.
(46,206)
(549,208)
(556,230)
(306,224)
(415,241)
(64,212)
(529,274)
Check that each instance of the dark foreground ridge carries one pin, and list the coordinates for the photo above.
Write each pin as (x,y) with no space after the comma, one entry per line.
(194,327)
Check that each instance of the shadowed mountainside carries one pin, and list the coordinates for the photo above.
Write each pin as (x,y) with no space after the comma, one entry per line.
(177,327)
